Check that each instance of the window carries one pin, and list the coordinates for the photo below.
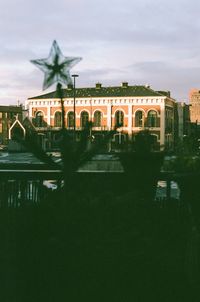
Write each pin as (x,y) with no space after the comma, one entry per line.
(119,138)
(154,139)
(119,119)
(97,119)
(17,132)
(139,119)
(39,119)
(70,119)
(152,118)
(57,119)
(84,118)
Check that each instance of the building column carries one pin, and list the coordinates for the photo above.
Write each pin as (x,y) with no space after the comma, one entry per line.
(49,116)
(130,112)
(109,121)
(162,125)
(30,109)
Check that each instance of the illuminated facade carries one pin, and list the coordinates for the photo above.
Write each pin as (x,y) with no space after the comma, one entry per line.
(194,98)
(129,109)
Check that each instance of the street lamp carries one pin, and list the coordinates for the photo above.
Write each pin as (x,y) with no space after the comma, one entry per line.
(74,89)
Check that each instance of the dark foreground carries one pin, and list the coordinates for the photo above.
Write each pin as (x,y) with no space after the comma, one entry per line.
(112,246)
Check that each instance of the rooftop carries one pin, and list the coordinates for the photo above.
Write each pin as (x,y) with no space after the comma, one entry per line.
(10,108)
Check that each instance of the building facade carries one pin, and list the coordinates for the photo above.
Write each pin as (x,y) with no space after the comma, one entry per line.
(183,120)
(127,109)
(194,99)
(7,117)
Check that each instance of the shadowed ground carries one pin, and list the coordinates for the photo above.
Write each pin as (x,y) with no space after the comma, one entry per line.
(97,245)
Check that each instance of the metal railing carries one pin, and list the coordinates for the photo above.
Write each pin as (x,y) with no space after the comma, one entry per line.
(16,193)
(24,187)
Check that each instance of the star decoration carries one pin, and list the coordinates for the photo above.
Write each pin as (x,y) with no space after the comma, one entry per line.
(56,67)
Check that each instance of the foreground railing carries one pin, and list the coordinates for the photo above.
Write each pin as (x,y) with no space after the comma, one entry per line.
(24,187)
(15,193)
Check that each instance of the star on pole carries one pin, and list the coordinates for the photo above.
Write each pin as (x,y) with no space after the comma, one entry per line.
(56,67)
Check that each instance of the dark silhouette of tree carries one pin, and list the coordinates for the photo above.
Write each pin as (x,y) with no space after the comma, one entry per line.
(143,142)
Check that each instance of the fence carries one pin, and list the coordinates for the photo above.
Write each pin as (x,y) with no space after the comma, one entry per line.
(15,193)
(23,187)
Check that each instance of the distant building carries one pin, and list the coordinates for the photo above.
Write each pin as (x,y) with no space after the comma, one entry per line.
(183,120)
(194,98)
(7,117)
(128,109)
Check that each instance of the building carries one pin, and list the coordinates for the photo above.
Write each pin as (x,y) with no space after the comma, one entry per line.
(194,99)
(128,109)
(183,120)
(7,117)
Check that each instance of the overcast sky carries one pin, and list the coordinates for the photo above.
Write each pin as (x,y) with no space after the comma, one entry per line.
(139,41)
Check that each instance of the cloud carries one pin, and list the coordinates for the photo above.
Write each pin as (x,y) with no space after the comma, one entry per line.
(139,41)
(163,76)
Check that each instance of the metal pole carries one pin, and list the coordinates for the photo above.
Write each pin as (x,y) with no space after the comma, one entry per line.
(111,116)
(60,94)
(74,90)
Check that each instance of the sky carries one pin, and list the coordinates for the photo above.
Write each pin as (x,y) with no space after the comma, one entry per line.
(155,42)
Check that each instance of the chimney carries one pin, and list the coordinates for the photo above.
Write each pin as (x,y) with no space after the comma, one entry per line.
(98,85)
(124,84)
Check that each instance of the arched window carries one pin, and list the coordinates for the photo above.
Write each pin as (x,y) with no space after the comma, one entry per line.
(70,119)
(84,118)
(57,119)
(39,119)
(154,139)
(152,118)
(97,118)
(119,119)
(154,142)
(139,119)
